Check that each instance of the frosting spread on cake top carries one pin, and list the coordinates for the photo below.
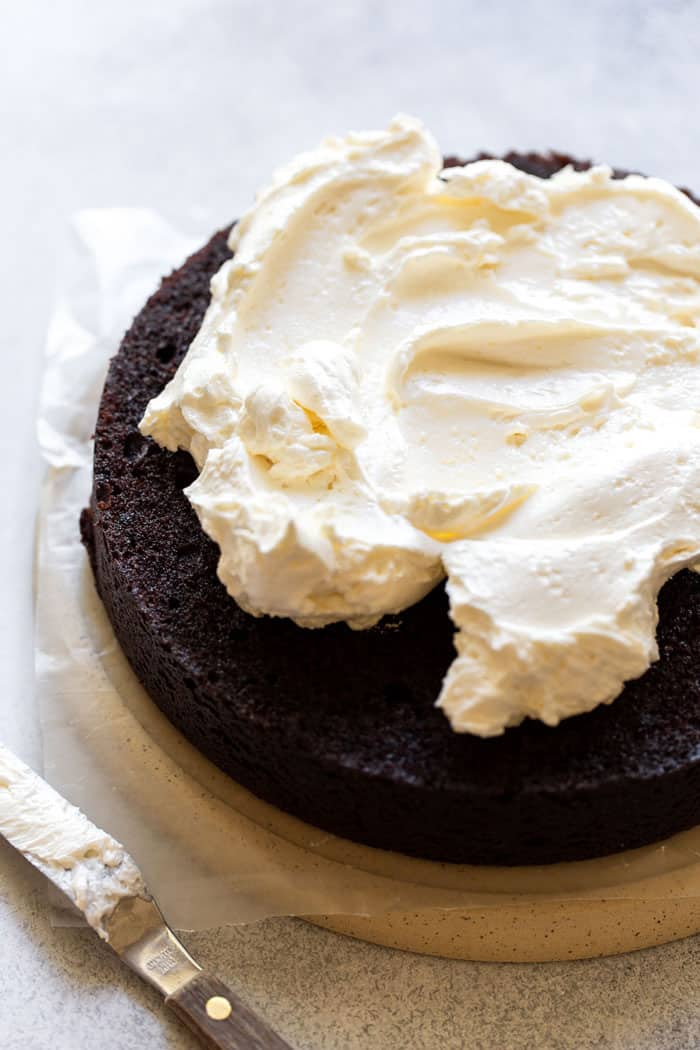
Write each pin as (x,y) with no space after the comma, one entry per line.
(408,372)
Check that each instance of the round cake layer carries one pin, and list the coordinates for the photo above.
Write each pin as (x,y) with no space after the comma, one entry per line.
(337,726)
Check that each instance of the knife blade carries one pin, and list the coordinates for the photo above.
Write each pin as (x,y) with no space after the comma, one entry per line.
(96,873)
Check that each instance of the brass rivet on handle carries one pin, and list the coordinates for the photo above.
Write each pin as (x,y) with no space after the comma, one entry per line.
(218,1008)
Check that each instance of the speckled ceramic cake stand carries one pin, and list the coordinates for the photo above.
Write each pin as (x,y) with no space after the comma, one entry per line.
(541,931)
(607,906)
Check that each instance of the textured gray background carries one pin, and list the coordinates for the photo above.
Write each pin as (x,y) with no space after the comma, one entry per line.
(185,106)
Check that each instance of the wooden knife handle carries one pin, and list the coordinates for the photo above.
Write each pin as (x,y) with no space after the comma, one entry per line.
(220,1019)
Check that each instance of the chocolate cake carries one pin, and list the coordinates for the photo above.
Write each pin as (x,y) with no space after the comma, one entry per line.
(338,727)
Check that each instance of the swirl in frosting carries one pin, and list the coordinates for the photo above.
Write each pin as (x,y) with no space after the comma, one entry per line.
(409,372)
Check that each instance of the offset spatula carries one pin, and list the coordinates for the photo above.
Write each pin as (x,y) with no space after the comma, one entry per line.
(100,878)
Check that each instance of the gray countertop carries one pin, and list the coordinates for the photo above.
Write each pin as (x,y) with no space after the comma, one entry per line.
(185,106)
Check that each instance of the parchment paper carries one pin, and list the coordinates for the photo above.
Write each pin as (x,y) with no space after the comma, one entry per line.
(211,853)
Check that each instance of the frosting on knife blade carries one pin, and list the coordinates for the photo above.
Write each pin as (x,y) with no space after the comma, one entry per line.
(89,866)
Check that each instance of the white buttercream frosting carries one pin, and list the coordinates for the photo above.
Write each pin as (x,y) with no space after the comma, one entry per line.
(93,870)
(407,372)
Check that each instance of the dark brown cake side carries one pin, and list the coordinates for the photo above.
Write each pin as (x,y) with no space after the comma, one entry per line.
(338,727)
